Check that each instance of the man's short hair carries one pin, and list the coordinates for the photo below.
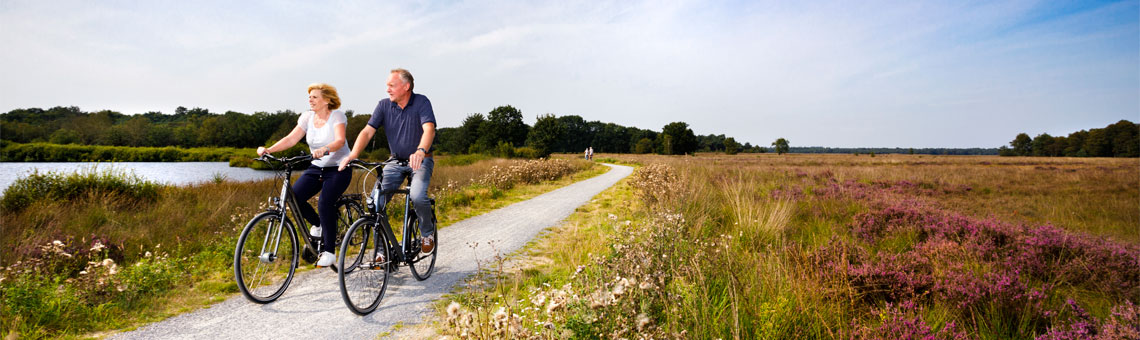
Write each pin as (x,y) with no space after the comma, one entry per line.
(406,77)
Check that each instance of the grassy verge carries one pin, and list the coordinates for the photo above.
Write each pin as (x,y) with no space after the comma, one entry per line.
(106,260)
(829,247)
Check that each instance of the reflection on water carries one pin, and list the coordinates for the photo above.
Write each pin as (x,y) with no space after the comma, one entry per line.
(176,173)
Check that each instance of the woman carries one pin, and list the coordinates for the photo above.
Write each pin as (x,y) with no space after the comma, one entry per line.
(323,129)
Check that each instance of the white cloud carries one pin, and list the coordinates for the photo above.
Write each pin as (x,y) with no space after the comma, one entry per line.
(837,74)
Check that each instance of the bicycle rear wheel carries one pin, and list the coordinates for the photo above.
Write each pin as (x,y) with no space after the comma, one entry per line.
(265,258)
(422,264)
(362,285)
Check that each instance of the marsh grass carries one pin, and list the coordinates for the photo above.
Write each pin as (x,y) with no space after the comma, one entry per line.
(171,251)
(833,246)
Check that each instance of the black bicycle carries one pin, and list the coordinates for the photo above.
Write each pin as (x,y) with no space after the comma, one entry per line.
(370,252)
(266,255)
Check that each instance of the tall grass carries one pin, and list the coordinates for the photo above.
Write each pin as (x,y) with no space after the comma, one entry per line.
(122,251)
(840,246)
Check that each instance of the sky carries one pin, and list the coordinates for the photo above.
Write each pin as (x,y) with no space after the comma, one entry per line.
(952,74)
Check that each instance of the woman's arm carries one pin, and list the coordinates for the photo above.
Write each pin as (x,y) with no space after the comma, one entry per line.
(337,143)
(285,143)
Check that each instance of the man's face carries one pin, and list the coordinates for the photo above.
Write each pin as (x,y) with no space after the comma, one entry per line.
(397,88)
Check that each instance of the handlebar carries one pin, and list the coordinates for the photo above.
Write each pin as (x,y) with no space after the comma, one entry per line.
(287,160)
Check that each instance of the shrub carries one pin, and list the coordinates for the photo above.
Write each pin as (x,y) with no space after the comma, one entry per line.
(59,186)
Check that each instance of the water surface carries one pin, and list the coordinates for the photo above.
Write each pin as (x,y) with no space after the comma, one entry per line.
(174,173)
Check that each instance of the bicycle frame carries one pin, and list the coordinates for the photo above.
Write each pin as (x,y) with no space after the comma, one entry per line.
(286,206)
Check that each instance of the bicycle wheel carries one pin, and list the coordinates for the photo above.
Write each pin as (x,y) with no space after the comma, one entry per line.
(421,263)
(348,211)
(265,258)
(362,286)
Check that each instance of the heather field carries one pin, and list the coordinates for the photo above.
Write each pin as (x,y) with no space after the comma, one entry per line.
(830,246)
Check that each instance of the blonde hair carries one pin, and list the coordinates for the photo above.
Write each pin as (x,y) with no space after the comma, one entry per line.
(328,92)
(406,77)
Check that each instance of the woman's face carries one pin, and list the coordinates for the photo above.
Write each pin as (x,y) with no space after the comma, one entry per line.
(317,100)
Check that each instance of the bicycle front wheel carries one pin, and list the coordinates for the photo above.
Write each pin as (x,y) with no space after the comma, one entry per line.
(266,257)
(365,262)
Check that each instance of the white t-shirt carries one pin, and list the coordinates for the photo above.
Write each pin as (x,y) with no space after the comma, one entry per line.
(323,136)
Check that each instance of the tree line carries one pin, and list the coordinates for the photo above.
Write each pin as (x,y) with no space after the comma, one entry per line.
(500,131)
(1120,139)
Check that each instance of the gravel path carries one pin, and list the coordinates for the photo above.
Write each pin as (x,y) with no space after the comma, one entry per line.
(312,307)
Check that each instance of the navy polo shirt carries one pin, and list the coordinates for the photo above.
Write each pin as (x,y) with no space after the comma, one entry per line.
(404,127)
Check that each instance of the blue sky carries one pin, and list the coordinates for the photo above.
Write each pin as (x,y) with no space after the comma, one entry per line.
(840,74)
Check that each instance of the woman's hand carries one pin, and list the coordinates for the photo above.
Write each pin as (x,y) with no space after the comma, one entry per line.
(320,152)
(261,151)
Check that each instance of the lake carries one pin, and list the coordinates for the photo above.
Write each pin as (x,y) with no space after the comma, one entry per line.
(175,173)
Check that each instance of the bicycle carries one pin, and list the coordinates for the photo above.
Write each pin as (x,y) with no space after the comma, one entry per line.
(263,265)
(374,255)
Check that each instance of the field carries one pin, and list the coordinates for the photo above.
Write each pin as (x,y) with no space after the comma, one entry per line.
(92,252)
(829,246)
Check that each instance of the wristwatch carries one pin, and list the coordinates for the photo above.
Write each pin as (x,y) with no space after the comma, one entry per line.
(422,149)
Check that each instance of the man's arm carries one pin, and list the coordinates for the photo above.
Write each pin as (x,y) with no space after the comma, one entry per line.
(425,143)
(361,140)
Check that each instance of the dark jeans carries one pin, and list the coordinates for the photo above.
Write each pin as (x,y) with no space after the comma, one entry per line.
(330,183)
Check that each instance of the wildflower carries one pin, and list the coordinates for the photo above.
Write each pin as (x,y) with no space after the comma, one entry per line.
(453,309)
(97,247)
(642,321)
(57,243)
(148,254)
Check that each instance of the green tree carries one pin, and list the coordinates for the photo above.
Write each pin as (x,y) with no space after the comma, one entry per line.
(504,124)
(545,135)
(1041,145)
(682,140)
(1022,144)
(781,146)
(731,147)
(644,145)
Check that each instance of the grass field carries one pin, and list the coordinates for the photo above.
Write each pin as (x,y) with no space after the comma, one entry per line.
(90,252)
(829,246)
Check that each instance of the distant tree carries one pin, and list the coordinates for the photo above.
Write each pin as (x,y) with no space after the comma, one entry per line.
(731,147)
(644,145)
(667,144)
(781,146)
(683,140)
(545,135)
(1022,145)
(1041,145)
(504,124)
(64,136)
(468,134)
(1005,151)
(1098,144)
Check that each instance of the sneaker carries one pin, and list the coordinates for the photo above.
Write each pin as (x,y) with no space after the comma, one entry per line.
(427,244)
(326,259)
(315,231)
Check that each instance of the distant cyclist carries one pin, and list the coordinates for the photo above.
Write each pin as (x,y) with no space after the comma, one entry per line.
(409,122)
(323,129)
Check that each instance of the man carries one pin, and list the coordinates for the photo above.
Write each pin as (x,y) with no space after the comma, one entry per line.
(409,123)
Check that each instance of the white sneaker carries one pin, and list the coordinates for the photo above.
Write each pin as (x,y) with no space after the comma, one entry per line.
(326,259)
(315,231)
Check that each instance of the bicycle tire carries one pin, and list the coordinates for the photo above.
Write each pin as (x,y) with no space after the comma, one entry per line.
(252,269)
(362,286)
(348,211)
(422,264)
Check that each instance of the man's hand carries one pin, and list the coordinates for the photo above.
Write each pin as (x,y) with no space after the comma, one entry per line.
(344,162)
(261,151)
(416,159)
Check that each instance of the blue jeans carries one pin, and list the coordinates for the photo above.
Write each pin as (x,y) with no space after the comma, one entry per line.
(331,184)
(391,179)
